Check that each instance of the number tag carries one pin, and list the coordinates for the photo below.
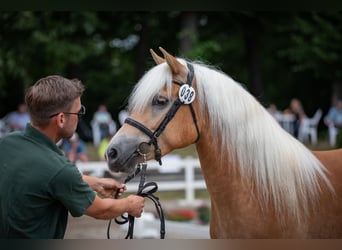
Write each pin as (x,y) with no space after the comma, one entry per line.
(186,94)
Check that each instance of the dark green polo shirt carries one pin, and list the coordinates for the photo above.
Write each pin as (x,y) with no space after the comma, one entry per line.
(38,186)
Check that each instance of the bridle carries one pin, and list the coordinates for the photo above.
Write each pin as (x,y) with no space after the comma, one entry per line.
(145,190)
(186,96)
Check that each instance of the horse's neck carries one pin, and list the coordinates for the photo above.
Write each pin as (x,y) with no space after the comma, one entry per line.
(219,173)
(232,204)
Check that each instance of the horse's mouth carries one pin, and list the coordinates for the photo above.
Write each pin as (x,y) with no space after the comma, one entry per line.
(122,155)
(126,166)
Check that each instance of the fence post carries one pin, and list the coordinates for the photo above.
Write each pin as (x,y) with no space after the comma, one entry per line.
(189,181)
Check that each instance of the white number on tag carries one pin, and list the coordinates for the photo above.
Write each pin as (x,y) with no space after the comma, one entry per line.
(186,94)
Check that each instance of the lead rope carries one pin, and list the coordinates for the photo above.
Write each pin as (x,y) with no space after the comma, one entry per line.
(145,190)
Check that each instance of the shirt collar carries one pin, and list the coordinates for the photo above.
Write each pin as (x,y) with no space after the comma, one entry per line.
(41,138)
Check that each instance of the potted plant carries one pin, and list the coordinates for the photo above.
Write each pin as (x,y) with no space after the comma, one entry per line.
(203,212)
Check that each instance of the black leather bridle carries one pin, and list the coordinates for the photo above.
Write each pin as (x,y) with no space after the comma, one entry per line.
(186,96)
(145,190)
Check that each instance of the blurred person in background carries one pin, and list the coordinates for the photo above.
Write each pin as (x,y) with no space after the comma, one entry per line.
(18,119)
(333,120)
(296,109)
(101,123)
(75,149)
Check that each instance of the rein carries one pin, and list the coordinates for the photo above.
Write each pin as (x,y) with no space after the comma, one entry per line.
(186,95)
(145,190)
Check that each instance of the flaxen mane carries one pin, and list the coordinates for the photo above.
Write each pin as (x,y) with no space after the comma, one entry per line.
(283,170)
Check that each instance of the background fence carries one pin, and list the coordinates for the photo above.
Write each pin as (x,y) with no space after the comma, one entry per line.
(176,173)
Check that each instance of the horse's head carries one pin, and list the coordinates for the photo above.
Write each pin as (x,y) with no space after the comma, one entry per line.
(163,115)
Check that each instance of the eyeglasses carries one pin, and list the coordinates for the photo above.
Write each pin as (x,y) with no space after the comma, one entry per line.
(80,113)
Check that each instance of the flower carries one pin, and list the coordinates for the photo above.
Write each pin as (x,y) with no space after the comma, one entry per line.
(182,215)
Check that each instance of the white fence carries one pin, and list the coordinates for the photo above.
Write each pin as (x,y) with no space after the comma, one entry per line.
(172,164)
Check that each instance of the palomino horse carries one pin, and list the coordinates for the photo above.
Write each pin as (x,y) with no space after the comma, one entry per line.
(262,182)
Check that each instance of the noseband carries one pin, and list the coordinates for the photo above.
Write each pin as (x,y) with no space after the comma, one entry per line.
(186,96)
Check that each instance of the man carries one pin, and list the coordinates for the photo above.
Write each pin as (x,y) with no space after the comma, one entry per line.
(334,116)
(38,185)
(18,119)
(334,122)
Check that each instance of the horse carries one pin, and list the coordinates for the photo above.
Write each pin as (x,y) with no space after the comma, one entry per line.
(262,181)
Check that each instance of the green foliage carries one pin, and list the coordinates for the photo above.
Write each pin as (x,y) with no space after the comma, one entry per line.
(203,212)
(108,51)
(314,43)
(339,140)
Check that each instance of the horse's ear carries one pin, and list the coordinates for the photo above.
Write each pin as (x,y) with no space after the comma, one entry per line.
(156,58)
(174,64)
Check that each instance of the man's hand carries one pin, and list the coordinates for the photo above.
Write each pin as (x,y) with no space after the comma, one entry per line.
(105,187)
(135,205)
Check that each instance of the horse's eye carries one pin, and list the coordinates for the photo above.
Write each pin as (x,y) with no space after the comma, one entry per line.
(160,101)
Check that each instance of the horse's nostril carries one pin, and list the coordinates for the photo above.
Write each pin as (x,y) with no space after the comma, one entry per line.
(112,153)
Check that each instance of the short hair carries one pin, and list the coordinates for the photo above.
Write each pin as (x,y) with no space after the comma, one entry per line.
(49,95)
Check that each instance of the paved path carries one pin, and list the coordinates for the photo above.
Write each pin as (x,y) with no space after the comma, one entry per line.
(86,227)
(89,228)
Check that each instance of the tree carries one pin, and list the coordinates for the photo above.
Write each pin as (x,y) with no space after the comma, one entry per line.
(34,44)
(276,55)
(314,47)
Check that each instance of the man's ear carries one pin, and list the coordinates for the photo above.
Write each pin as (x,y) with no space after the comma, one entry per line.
(60,120)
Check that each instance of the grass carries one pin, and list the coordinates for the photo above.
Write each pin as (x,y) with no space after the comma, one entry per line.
(321,145)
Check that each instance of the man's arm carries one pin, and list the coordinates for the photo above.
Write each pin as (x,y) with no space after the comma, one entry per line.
(111,208)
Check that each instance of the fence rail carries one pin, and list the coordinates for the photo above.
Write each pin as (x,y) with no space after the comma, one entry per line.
(172,165)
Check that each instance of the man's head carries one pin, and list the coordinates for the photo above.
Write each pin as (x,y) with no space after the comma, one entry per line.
(54,99)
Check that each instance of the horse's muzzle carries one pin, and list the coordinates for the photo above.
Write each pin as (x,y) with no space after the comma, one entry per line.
(122,155)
